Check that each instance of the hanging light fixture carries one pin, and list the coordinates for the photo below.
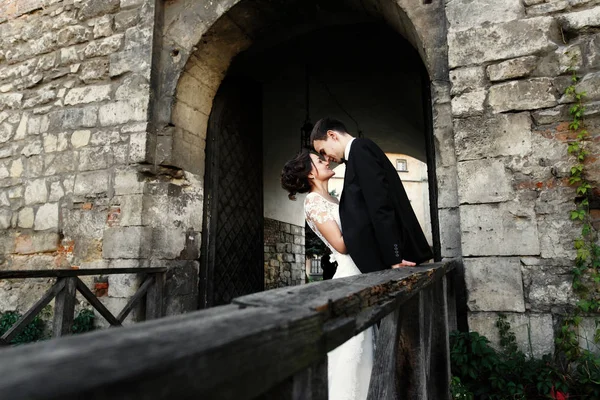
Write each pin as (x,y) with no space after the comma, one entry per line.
(307,126)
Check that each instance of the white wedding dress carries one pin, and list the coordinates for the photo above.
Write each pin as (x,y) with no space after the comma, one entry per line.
(349,365)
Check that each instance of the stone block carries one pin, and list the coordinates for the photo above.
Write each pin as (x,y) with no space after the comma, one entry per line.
(135,60)
(46,217)
(534,332)
(590,84)
(449,232)
(127,242)
(182,276)
(127,182)
(104,47)
(484,181)
(36,191)
(94,70)
(592,52)
(59,162)
(494,284)
(126,19)
(25,218)
(121,112)
(94,8)
(468,104)
(115,305)
(5,218)
(580,20)
(501,229)
(39,242)
(444,136)
(103,26)
(463,14)
(511,69)
(502,41)
(90,183)
(133,86)
(493,136)
(447,184)
(93,158)
(80,138)
(123,285)
(32,148)
(586,335)
(131,210)
(137,147)
(548,8)
(88,94)
(466,79)
(168,243)
(528,94)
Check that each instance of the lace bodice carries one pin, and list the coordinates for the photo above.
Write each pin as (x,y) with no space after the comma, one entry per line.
(319,210)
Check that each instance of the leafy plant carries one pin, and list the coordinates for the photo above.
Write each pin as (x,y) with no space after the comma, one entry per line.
(83,322)
(33,332)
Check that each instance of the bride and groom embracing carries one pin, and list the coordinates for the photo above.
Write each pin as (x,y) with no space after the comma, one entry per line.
(373,227)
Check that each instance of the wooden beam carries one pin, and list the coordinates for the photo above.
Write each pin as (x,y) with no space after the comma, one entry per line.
(383,376)
(93,300)
(66,273)
(135,298)
(32,312)
(64,308)
(223,353)
(155,302)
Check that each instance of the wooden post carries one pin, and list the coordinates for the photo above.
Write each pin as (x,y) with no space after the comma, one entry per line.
(64,308)
(155,297)
(308,384)
(423,358)
(383,376)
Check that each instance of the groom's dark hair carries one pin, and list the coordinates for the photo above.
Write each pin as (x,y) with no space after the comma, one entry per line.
(323,125)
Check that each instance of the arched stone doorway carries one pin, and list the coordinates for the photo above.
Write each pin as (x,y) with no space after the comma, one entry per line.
(200,41)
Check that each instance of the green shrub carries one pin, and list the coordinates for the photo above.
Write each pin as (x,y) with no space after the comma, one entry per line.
(481,372)
(83,322)
(33,332)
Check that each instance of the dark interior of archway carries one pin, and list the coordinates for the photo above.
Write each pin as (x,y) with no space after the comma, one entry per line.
(365,73)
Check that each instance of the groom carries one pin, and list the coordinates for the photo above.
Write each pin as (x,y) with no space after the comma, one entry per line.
(379,225)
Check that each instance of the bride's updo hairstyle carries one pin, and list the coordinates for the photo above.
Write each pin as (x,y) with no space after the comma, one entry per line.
(294,176)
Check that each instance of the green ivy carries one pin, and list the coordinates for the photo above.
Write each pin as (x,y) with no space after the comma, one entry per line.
(586,274)
(33,332)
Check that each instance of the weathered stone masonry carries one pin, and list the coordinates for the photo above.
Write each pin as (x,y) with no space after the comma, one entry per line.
(74,187)
(284,254)
(509,64)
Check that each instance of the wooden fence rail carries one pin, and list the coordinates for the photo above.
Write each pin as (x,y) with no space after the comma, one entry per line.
(68,282)
(269,345)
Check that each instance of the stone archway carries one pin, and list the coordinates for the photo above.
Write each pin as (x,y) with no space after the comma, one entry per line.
(200,40)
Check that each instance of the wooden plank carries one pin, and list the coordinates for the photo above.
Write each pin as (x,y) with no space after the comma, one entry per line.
(135,298)
(222,353)
(32,312)
(66,273)
(155,303)
(409,372)
(64,308)
(383,376)
(93,300)
(308,384)
(439,374)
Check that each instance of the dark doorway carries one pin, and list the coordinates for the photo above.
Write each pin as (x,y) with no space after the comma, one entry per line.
(232,236)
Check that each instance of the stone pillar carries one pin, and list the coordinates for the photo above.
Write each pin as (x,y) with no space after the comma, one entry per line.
(285,263)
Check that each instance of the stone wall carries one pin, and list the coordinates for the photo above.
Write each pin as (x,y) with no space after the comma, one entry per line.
(285,263)
(508,73)
(75,190)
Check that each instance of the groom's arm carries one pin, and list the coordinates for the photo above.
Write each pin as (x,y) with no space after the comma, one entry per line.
(375,188)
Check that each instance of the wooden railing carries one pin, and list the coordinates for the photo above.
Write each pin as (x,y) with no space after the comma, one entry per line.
(269,345)
(65,287)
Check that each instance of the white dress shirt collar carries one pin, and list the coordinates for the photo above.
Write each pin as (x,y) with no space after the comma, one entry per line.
(347,149)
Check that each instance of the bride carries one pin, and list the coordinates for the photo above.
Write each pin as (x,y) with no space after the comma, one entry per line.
(349,365)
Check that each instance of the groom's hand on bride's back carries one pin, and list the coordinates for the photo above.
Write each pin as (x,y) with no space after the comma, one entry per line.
(404,263)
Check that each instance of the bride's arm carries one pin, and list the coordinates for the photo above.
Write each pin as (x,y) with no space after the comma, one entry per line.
(331,232)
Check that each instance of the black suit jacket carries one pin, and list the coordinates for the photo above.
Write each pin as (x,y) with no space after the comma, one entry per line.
(378,223)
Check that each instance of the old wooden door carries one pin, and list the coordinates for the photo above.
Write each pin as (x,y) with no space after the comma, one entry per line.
(232,237)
